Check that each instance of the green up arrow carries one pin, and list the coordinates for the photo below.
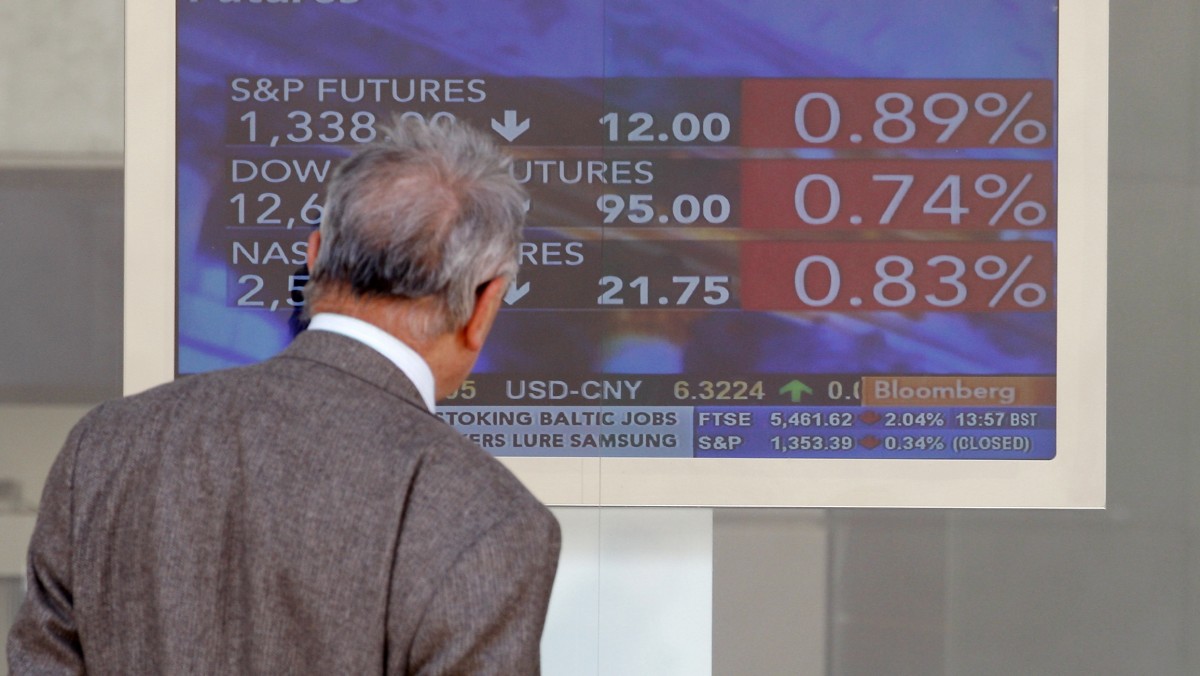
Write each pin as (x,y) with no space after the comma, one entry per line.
(796,390)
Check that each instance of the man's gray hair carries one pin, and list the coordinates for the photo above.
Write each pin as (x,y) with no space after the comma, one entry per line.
(430,210)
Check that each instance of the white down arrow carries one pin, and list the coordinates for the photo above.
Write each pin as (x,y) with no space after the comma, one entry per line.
(516,292)
(510,130)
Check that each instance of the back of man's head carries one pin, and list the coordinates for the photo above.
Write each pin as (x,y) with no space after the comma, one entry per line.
(429,212)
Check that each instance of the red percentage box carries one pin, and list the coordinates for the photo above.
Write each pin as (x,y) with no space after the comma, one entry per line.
(897,194)
(850,113)
(900,276)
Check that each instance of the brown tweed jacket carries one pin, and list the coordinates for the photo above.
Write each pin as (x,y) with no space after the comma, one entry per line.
(305,515)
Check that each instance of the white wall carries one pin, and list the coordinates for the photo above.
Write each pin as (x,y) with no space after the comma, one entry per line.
(61,108)
(60,74)
(1113,592)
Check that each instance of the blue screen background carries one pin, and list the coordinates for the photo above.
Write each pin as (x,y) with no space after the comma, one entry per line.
(617,38)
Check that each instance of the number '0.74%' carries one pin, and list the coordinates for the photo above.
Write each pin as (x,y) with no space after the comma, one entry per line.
(898,194)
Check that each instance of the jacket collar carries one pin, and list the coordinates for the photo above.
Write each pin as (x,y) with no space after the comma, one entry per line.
(355,359)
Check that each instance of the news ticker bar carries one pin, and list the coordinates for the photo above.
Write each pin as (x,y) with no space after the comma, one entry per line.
(776,389)
(836,113)
(759,431)
(880,417)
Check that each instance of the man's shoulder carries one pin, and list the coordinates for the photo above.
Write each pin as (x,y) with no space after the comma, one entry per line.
(174,391)
(454,473)
(464,499)
(460,482)
(460,466)
(305,373)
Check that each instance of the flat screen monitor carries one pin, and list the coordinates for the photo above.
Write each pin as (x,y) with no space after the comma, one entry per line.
(806,253)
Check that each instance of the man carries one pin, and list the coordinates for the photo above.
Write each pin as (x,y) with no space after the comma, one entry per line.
(311,514)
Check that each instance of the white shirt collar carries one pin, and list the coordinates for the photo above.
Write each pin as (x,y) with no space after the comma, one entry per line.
(404,357)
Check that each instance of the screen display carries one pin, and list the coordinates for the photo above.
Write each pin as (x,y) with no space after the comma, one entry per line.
(756,228)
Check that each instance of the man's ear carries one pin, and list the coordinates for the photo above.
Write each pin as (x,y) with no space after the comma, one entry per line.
(487,304)
(314,246)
